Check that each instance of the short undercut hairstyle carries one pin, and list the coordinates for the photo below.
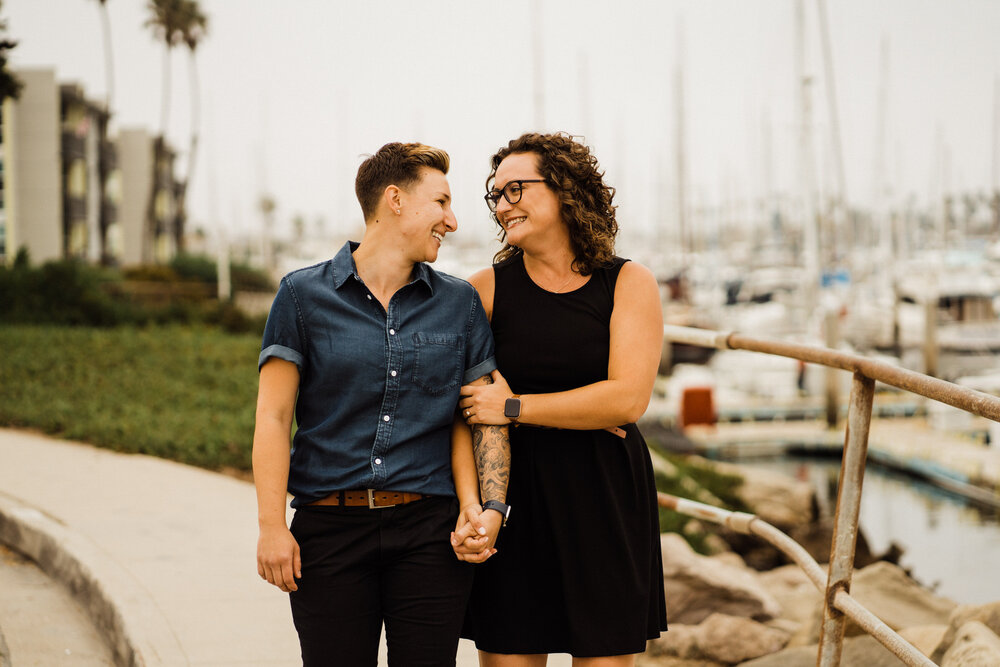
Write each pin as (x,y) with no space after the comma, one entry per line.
(395,164)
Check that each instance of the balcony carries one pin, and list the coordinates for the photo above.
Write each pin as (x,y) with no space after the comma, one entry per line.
(74,147)
(108,157)
(109,213)
(74,209)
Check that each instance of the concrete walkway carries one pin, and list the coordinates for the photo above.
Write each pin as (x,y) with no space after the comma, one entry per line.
(45,625)
(160,555)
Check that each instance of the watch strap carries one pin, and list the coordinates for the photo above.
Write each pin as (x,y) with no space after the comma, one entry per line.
(498,506)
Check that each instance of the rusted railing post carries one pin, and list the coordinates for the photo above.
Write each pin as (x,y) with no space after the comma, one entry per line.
(845,529)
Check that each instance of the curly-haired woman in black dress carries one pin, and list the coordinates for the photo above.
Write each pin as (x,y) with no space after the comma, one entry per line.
(578,332)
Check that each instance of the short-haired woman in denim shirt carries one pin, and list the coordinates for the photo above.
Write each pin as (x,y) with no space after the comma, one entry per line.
(367,351)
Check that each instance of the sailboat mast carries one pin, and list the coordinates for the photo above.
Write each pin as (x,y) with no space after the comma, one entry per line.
(810,235)
(679,143)
(537,61)
(883,217)
(831,98)
(995,181)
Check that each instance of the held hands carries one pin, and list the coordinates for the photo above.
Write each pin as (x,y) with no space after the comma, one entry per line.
(475,533)
(278,559)
(483,403)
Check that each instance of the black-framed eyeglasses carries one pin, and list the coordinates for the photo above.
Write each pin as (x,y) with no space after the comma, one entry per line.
(511,192)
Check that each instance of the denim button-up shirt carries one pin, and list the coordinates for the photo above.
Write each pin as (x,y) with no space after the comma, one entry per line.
(377,389)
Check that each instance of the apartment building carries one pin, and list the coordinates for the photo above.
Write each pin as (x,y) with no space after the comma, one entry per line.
(67,190)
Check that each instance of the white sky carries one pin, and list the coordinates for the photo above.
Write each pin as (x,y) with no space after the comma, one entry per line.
(295,90)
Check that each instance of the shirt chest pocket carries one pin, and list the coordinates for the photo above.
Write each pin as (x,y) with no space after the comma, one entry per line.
(437,361)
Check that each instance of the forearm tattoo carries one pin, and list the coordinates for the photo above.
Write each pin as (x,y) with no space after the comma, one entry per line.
(491,446)
(492,450)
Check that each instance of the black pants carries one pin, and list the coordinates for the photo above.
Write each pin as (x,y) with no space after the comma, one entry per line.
(363,566)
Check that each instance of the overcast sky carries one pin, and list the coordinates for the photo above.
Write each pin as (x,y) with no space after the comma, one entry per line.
(294,91)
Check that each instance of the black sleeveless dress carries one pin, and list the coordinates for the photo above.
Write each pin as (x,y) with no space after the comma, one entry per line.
(578,567)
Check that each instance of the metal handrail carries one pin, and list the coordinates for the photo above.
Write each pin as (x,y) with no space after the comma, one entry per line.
(963,398)
(838,604)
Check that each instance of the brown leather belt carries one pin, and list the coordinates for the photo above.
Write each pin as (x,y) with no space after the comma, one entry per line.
(370,497)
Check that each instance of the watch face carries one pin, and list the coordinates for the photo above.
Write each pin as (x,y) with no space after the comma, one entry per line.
(512,408)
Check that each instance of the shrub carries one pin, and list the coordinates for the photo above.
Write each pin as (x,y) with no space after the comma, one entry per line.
(203,269)
(195,267)
(70,292)
(247,278)
(151,272)
(62,292)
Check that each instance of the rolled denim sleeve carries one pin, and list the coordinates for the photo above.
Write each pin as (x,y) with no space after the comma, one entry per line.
(283,333)
(479,353)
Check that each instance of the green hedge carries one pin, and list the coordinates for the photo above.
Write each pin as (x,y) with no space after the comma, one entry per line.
(74,293)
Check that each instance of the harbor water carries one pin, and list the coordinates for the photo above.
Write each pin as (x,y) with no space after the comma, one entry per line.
(949,545)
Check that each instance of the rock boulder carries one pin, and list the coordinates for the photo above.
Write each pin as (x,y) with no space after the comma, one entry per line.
(886,591)
(975,645)
(720,639)
(987,614)
(697,586)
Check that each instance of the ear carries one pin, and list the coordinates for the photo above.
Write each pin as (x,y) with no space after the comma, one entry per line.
(392,197)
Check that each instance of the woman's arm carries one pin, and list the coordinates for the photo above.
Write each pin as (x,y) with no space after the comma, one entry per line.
(278,558)
(469,539)
(463,465)
(634,356)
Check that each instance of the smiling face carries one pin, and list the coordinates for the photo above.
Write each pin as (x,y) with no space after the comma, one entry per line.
(537,214)
(426,215)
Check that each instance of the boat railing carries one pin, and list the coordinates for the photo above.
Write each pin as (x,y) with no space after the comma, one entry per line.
(835,583)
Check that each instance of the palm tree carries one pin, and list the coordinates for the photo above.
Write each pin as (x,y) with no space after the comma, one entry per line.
(103,124)
(165,22)
(194,28)
(10,85)
(109,67)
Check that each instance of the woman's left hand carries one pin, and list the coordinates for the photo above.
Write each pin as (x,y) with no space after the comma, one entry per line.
(483,403)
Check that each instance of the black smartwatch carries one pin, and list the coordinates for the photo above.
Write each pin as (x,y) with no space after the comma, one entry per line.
(512,408)
(499,507)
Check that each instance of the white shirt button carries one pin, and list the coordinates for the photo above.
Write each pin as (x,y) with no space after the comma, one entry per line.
(378,462)
(369,297)
(392,332)
(385,418)
(392,373)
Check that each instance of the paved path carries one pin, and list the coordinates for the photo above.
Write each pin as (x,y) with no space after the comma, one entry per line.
(43,624)
(159,555)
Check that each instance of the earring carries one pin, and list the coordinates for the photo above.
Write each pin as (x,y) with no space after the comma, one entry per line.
(397,211)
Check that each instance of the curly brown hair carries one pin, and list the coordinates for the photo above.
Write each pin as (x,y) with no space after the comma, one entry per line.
(571,170)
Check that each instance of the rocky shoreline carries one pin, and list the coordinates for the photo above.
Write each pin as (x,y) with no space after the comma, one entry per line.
(745,605)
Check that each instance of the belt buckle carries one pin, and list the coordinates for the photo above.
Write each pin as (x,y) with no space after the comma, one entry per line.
(371,501)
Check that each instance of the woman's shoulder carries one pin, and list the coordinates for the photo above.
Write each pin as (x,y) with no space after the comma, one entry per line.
(484,281)
(634,270)
(637,280)
(482,278)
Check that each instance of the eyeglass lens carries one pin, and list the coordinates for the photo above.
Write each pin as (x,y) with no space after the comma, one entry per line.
(511,192)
